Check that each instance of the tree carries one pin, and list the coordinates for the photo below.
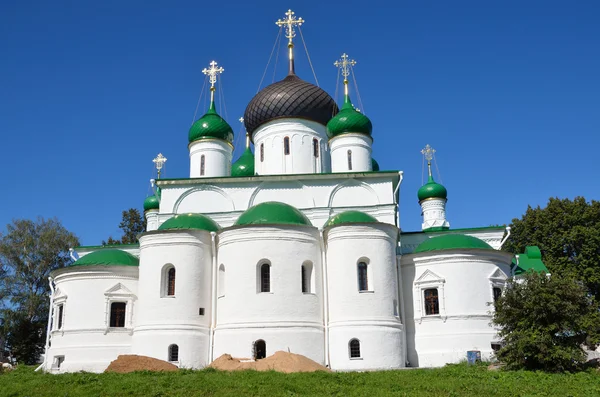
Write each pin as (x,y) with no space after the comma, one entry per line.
(29,251)
(132,224)
(568,234)
(544,321)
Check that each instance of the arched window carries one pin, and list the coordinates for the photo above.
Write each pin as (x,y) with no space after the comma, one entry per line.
(171,282)
(316,147)
(202,164)
(354,348)
(306,273)
(265,277)
(260,349)
(286,145)
(497,293)
(173,353)
(304,280)
(221,286)
(349,160)
(363,281)
(262,152)
(432,305)
(117,314)
(60,316)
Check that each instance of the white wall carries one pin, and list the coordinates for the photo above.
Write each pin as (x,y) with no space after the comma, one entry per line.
(285,318)
(163,320)
(301,159)
(151,220)
(373,316)
(85,340)
(434,213)
(217,158)
(464,279)
(359,146)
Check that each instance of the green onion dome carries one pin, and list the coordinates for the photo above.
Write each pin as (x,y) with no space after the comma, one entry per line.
(350,217)
(107,257)
(244,166)
(211,125)
(452,241)
(272,213)
(374,165)
(190,221)
(349,120)
(432,189)
(151,203)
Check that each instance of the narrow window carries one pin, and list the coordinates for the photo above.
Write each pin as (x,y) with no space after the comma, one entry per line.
(171,282)
(60,316)
(363,281)
(316,148)
(496,346)
(221,286)
(304,281)
(117,314)
(431,301)
(201,311)
(286,145)
(497,293)
(260,349)
(265,278)
(349,160)
(173,353)
(202,161)
(354,347)
(262,152)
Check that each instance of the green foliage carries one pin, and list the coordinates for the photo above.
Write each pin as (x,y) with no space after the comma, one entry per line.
(132,224)
(568,234)
(544,321)
(453,380)
(29,251)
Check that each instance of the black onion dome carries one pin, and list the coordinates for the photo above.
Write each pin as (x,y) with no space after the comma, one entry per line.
(291,97)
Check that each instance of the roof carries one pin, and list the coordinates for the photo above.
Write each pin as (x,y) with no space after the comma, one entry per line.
(244,166)
(349,120)
(350,217)
(272,213)
(151,203)
(452,241)
(210,126)
(432,189)
(466,229)
(107,257)
(190,221)
(531,259)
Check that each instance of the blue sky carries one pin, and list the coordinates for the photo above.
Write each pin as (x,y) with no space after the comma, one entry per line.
(508,92)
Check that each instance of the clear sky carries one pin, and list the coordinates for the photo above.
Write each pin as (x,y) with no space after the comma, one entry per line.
(508,93)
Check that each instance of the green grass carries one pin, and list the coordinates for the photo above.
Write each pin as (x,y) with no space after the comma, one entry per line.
(452,380)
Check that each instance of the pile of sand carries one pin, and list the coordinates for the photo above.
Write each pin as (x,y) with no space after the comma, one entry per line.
(280,361)
(129,363)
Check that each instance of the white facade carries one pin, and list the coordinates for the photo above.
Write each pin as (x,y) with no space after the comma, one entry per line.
(210,158)
(434,213)
(351,153)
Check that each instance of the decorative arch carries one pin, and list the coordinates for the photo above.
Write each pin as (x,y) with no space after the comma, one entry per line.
(216,197)
(353,193)
(168,275)
(294,193)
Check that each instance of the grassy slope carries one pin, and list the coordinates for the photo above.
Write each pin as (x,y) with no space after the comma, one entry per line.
(454,380)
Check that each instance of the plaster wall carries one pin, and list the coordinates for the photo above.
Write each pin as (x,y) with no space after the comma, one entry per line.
(464,280)
(85,339)
(217,158)
(434,213)
(355,146)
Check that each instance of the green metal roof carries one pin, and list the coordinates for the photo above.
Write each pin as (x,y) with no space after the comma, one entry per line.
(244,166)
(272,213)
(151,203)
(530,260)
(349,120)
(374,165)
(107,257)
(190,221)
(211,125)
(452,241)
(466,229)
(432,190)
(350,217)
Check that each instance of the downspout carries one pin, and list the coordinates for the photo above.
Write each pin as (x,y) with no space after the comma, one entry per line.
(505,238)
(397,201)
(213,310)
(50,281)
(325,299)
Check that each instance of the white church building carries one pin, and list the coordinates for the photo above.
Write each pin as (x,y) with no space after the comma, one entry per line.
(296,246)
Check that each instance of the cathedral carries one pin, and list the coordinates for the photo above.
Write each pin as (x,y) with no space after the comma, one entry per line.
(295,246)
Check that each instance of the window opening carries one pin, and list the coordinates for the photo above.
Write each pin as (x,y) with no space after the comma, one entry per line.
(496,346)
(171,282)
(201,311)
(202,161)
(173,353)
(316,148)
(497,293)
(60,316)
(431,301)
(363,282)
(265,278)
(286,145)
(304,281)
(262,152)
(260,349)
(117,314)
(349,160)
(354,348)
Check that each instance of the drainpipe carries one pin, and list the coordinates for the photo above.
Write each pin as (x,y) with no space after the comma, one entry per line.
(397,202)
(50,281)
(505,238)
(214,297)
(325,299)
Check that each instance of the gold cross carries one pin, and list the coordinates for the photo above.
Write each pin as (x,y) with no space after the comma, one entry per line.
(290,22)
(212,73)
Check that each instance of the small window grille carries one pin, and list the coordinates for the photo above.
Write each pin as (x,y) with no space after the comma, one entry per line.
(60,316)
(171,282)
(354,347)
(349,160)
(173,353)
(316,148)
(286,145)
(265,278)
(262,152)
(431,301)
(363,281)
(202,164)
(117,314)
(201,311)
(497,293)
